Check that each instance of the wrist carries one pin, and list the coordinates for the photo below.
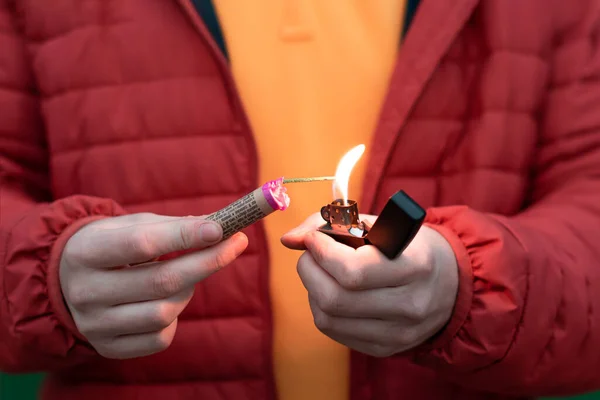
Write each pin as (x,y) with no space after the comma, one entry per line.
(463,294)
(55,293)
(446,270)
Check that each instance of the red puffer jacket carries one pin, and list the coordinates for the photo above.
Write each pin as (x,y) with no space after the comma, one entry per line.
(492,122)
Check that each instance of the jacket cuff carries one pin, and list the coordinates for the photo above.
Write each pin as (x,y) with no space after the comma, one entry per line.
(464,297)
(491,295)
(37,317)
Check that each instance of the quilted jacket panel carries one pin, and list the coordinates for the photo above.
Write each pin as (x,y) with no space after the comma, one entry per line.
(114,107)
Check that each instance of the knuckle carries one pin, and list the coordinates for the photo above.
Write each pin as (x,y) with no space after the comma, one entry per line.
(104,352)
(419,308)
(353,278)
(161,316)
(424,262)
(407,336)
(78,296)
(322,321)
(107,351)
(95,325)
(86,330)
(139,244)
(328,301)
(186,236)
(220,260)
(319,252)
(301,265)
(166,282)
(162,341)
(75,251)
(380,351)
(427,268)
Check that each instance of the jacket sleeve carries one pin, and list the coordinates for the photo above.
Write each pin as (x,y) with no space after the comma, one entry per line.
(527,316)
(36,330)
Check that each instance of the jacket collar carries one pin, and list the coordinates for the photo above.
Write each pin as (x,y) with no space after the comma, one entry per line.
(432,31)
(434,28)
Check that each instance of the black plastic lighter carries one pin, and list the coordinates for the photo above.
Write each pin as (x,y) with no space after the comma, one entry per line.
(391,233)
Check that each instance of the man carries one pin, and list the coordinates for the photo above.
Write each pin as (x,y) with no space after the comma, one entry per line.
(119,119)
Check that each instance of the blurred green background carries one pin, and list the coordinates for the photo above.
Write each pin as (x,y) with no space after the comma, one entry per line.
(24,387)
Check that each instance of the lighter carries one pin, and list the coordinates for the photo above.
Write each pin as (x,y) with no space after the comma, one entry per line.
(394,229)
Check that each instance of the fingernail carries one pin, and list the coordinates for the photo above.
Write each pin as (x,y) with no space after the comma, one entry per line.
(210,232)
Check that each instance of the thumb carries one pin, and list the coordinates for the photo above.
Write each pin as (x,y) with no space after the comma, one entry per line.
(146,241)
(294,239)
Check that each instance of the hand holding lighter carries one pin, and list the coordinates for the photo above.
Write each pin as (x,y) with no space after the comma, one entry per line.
(394,229)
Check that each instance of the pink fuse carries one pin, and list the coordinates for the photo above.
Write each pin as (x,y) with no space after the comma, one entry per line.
(270,197)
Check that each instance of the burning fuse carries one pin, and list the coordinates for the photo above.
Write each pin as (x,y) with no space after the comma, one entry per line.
(256,205)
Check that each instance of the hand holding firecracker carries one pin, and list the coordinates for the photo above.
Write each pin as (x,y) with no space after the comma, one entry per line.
(124,298)
(125,305)
(125,301)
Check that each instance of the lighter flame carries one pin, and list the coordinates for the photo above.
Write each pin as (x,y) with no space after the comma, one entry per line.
(344,169)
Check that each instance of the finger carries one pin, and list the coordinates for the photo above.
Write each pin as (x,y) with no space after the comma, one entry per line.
(132,346)
(136,318)
(394,336)
(369,348)
(361,346)
(334,300)
(294,239)
(363,268)
(143,242)
(163,279)
(134,219)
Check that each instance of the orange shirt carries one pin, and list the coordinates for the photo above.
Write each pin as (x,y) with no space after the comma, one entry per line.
(312,75)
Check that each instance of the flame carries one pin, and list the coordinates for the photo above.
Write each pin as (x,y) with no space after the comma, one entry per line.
(344,169)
